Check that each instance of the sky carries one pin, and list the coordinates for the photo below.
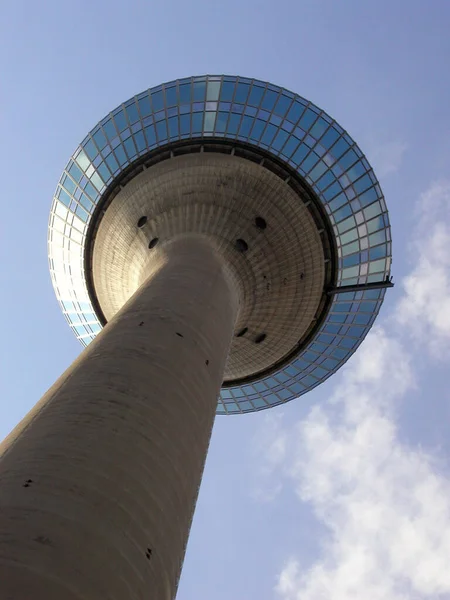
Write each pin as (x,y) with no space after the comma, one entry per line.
(343,493)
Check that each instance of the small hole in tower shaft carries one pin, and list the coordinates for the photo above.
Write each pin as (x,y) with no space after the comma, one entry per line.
(142,221)
(260,223)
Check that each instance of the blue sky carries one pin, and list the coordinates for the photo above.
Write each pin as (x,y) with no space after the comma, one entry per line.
(344,493)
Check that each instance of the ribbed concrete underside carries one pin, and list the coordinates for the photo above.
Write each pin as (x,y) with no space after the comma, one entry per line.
(98,483)
(218,196)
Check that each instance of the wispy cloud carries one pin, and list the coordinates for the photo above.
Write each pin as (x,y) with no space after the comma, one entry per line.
(386,505)
(387,157)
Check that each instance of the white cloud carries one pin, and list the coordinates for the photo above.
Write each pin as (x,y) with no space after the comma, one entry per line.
(386,505)
(387,158)
(424,310)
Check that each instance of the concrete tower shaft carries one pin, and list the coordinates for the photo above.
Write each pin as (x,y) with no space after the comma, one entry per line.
(99,481)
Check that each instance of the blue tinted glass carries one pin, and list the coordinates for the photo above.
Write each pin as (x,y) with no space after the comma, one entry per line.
(75,172)
(257,130)
(130,147)
(132,112)
(197,122)
(326,180)
(246,126)
(318,128)
(295,112)
(173,127)
(362,184)
(309,162)
(99,139)
(157,101)
(171,96)
(269,134)
(199,91)
(368,197)
(69,184)
(104,172)
(350,261)
(151,135)
(90,149)
(331,192)
(109,130)
(256,95)
(269,100)
(121,122)
(339,148)
(185,124)
(282,105)
(64,197)
(85,202)
(185,93)
(307,119)
(233,123)
(91,191)
(140,141)
(291,145)
(221,122)
(82,214)
(227,91)
(348,159)
(120,155)
(329,138)
(212,91)
(161,130)
(144,106)
(241,93)
(280,139)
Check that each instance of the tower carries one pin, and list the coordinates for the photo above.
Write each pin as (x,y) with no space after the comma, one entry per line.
(221,245)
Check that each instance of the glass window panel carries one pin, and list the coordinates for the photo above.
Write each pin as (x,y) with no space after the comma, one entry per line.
(319,127)
(161,130)
(157,101)
(326,180)
(199,91)
(362,184)
(329,137)
(212,91)
(81,213)
(342,213)
(130,147)
(378,252)
(269,100)
(290,146)
(171,96)
(339,148)
(350,261)
(197,122)
(233,123)
(112,163)
(140,141)
(309,162)
(132,113)
(210,119)
(300,154)
(242,90)
(356,171)
(256,95)
(64,197)
(69,184)
(269,134)
(280,139)
(307,119)
(91,191)
(350,272)
(151,135)
(185,93)
(350,248)
(368,196)
(109,129)
(295,111)
(120,155)
(173,127)
(82,160)
(85,202)
(332,191)
(185,124)
(90,149)
(100,139)
(348,159)
(246,126)
(221,122)
(121,122)
(227,91)
(349,236)
(144,106)
(377,238)
(318,171)
(282,105)
(347,224)
(372,210)
(377,266)
(257,130)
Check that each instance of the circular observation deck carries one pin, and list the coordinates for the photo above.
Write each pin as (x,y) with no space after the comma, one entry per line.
(277,187)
